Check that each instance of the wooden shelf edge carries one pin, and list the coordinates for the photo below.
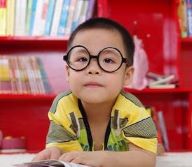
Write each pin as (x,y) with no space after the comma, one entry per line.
(187,40)
(165,90)
(44,97)
(32,38)
(25,97)
(12,152)
(33,43)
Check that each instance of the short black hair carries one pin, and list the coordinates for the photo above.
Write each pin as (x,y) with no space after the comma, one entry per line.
(105,23)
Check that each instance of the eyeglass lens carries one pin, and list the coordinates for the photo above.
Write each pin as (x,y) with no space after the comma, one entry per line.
(109,59)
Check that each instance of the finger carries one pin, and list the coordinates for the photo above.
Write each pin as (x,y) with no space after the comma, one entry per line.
(83,161)
(67,157)
(78,160)
(40,156)
(55,155)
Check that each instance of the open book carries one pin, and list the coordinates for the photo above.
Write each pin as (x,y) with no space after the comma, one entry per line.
(49,163)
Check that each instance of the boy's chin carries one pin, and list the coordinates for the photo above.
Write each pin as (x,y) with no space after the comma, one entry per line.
(96,97)
(92,99)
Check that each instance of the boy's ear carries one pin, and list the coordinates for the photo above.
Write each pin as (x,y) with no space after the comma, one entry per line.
(128,75)
(67,72)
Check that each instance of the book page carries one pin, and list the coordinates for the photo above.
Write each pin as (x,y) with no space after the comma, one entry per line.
(49,163)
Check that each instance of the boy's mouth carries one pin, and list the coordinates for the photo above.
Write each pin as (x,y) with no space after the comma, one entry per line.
(93,84)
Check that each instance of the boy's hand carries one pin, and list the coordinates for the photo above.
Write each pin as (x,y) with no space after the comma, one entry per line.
(48,153)
(93,159)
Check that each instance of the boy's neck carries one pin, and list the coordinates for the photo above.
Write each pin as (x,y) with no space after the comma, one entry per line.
(98,112)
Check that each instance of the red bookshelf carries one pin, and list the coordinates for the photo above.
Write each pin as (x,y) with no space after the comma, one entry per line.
(156,23)
(23,43)
(187,40)
(155,90)
(26,97)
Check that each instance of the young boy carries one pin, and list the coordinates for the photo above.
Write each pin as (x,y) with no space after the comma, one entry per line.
(96,123)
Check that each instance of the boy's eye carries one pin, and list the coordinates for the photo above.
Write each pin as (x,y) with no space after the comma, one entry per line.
(108,60)
(82,59)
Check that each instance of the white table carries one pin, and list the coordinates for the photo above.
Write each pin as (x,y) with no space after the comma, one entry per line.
(175,160)
(168,160)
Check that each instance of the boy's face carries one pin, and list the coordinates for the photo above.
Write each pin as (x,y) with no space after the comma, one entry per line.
(93,85)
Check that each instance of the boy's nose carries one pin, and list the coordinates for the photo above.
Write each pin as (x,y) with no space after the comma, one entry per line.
(93,67)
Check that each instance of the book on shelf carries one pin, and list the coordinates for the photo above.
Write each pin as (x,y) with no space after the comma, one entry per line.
(83,13)
(31,16)
(40,17)
(161,81)
(69,22)
(5,77)
(63,18)
(49,17)
(43,17)
(182,16)
(3,10)
(77,14)
(185,17)
(90,9)
(162,136)
(163,129)
(20,17)
(23,75)
(189,17)
(10,17)
(49,163)
(162,86)
(56,17)
(28,16)
(160,146)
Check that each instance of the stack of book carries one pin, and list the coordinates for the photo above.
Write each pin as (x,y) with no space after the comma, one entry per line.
(23,75)
(161,81)
(43,17)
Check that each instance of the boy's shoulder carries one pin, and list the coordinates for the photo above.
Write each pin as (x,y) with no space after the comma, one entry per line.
(66,98)
(63,95)
(131,98)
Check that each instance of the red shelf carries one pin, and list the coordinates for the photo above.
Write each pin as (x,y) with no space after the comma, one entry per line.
(162,91)
(42,97)
(32,43)
(186,40)
(26,97)
(32,38)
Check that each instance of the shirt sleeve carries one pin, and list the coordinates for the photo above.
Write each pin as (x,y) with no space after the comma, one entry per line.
(58,136)
(141,131)
(60,133)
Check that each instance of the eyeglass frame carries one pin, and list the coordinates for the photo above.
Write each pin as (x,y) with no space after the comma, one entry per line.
(66,58)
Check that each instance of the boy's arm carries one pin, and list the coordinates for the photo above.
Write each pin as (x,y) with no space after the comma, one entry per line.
(48,153)
(61,138)
(136,157)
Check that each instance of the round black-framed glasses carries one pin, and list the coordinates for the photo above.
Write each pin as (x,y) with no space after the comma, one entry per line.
(109,59)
